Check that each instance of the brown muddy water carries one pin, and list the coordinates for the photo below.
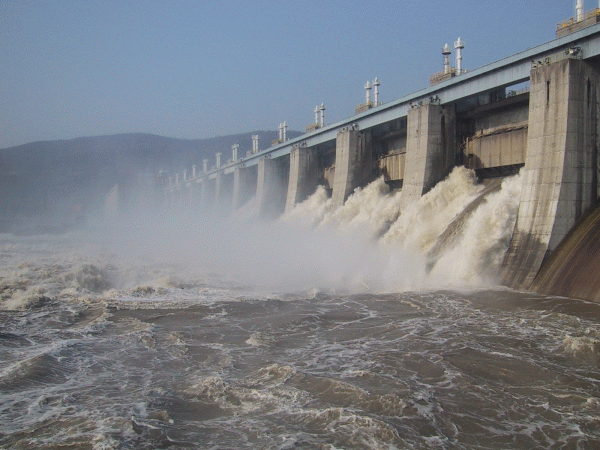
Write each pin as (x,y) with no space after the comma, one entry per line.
(189,361)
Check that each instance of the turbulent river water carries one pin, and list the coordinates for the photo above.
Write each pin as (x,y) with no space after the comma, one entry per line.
(354,328)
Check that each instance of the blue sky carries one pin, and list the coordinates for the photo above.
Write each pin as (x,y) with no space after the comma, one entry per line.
(204,68)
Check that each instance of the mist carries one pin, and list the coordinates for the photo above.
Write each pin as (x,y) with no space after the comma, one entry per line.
(367,244)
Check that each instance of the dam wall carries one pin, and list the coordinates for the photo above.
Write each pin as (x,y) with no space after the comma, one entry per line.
(496,136)
(223,189)
(430,150)
(353,163)
(271,184)
(561,165)
(572,268)
(536,113)
(208,191)
(244,185)
(303,177)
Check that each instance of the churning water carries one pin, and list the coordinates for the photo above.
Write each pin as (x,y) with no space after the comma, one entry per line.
(354,328)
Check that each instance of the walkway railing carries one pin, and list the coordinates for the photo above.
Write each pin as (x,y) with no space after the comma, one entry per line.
(571,53)
(592,14)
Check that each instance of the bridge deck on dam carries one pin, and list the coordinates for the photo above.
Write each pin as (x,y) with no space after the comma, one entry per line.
(502,73)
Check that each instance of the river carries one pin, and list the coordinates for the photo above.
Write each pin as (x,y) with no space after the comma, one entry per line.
(352,328)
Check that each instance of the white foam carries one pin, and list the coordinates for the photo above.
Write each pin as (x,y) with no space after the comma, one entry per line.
(477,257)
(423,221)
(314,246)
(311,211)
(398,260)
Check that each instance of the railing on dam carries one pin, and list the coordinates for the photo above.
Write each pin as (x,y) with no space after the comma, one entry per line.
(572,24)
(503,73)
(570,53)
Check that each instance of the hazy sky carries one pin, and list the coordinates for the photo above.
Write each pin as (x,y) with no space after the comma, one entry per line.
(202,68)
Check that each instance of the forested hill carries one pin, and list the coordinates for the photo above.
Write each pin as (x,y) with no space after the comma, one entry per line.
(51,186)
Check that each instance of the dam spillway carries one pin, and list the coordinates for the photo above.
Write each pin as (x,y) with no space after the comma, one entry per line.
(481,119)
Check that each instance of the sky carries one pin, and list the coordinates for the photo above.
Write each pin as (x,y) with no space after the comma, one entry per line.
(201,68)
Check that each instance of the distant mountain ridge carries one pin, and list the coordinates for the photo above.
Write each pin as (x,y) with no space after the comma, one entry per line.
(173,153)
(53,185)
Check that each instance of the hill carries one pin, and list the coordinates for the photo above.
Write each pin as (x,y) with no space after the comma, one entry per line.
(52,186)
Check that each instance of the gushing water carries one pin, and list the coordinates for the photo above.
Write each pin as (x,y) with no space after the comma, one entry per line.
(327,329)
(472,257)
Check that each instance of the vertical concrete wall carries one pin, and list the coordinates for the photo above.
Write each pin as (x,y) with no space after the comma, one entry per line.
(304,175)
(353,163)
(244,185)
(560,172)
(430,150)
(271,186)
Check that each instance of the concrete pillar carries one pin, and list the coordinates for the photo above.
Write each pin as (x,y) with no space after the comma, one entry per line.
(223,190)
(353,163)
(195,196)
(189,193)
(271,186)
(561,165)
(207,192)
(430,150)
(244,185)
(304,175)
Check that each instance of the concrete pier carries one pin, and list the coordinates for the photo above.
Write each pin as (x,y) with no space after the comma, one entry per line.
(271,184)
(223,190)
(192,200)
(353,163)
(207,192)
(304,175)
(430,150)
(561,165)
(244,185)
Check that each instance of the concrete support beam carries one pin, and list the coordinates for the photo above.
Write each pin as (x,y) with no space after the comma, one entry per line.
(244,185)
(304,175)
(353,163)
(430,150)
(561,165)
(271,186)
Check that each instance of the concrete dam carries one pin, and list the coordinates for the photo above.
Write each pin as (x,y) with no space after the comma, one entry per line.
(535,113)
